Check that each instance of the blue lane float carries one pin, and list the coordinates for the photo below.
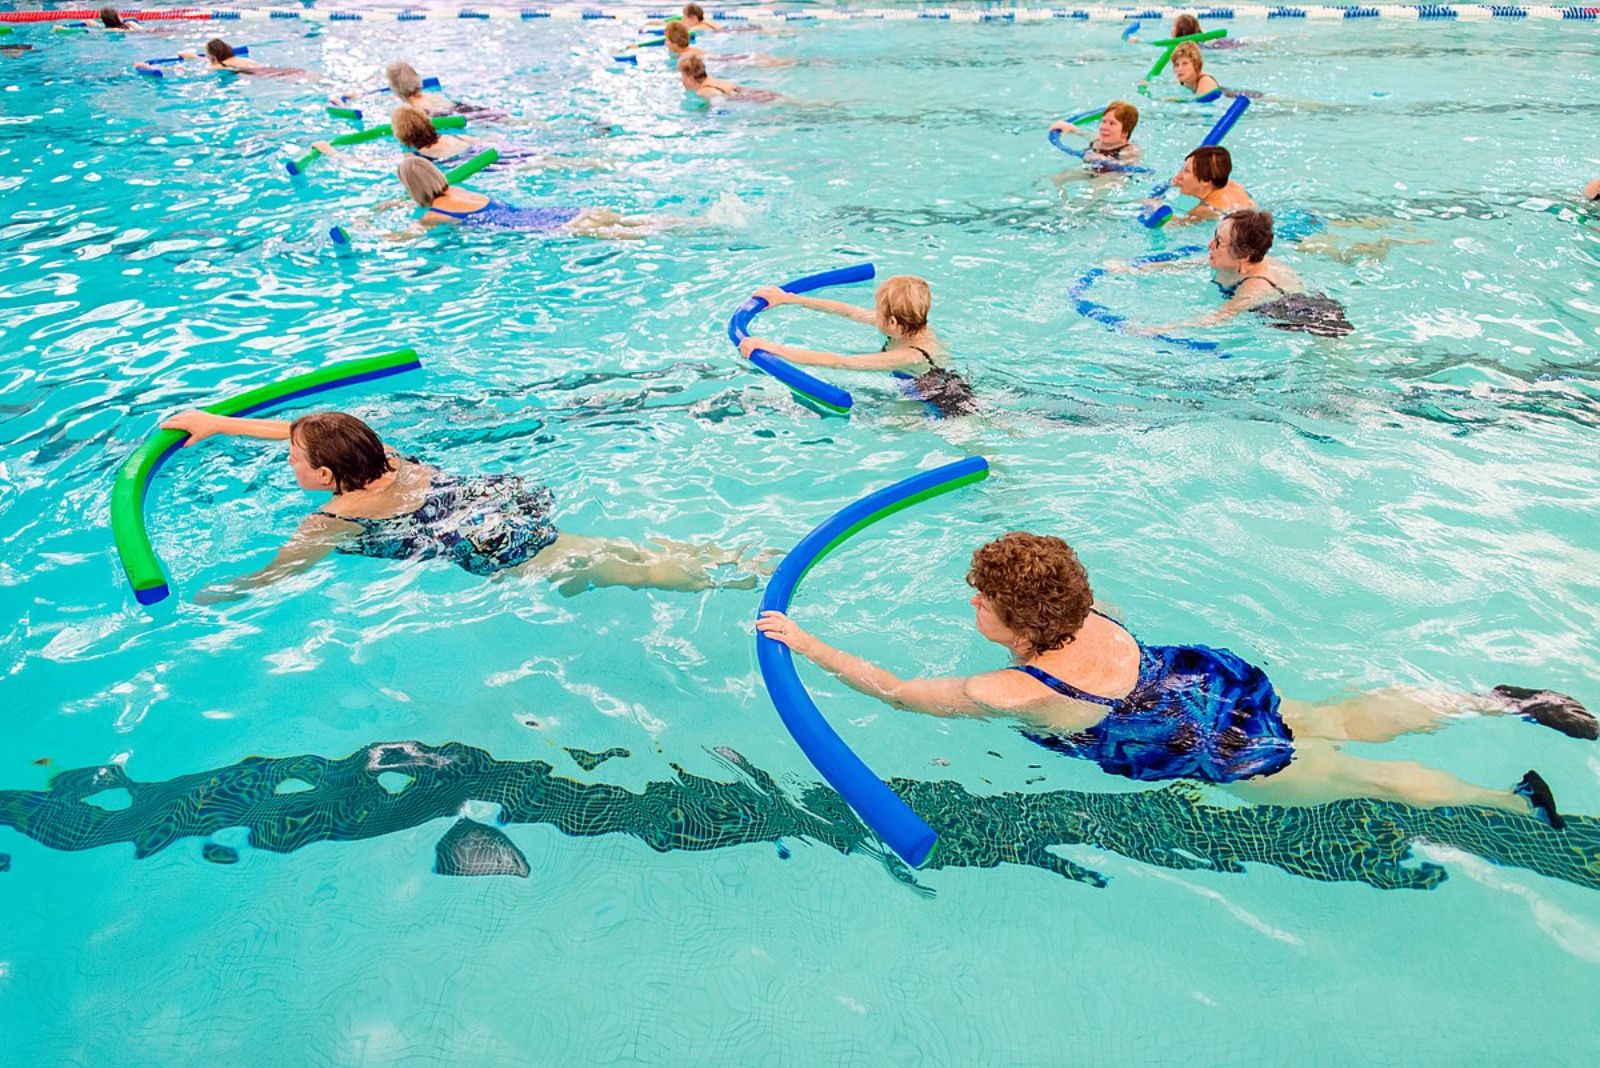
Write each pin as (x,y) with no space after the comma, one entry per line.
(821,397)
(1160,214)
(1089,309)
(879,807)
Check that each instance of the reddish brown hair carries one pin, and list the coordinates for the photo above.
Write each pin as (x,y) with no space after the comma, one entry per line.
(1036,585)
(1185,25)
(1213,164)
(347,447)
(677,33)
(1126,114)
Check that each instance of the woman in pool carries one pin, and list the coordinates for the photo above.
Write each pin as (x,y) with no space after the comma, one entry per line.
(219,55)
(111,19)
(694,18)
(413,128)
(1206,175)
(900,311)
(1111,144)
(1186,25)
(448,204)
(1084,686)
(1189,68)
(399,508)
(692,71)
(1254,282)
(678,43)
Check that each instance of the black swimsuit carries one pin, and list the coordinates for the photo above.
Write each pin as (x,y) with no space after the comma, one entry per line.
(944,390)
(1309,313)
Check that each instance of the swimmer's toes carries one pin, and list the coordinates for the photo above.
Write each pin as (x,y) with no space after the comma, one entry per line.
(1537,791)
(1554,710)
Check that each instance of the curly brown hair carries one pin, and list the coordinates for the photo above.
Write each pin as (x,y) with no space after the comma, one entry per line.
(1036,585)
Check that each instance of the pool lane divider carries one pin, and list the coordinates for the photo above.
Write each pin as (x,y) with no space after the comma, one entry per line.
(1159,215)
(821,397)
(454,176)
(138,556)
(1089,309)
(297,167)
(879,807)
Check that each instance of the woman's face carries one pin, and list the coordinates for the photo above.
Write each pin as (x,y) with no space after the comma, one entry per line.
(1221,249)
(1184,68)
(989,624)
(315,479)
(1187,183)
(1111,130)
(688,82)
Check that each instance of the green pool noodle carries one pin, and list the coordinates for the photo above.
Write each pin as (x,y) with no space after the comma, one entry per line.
(1169,43)
(138,557)
(457,175)
(371,133)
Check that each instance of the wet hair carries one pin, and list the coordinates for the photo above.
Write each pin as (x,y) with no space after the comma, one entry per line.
(347,447)
(412,127)
(1213,164)
(404,80)
(218,50)
(422,179)
(677,33)
(694,11)
(1126,114)
(906,300)
(694,67)
(1036,585)
(1250,237)
(1185,25)
(1190,51)
(111,20)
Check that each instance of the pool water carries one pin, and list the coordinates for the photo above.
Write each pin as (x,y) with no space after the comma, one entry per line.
(226,816)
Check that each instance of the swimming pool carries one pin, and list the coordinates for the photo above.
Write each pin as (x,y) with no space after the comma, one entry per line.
(1414,505)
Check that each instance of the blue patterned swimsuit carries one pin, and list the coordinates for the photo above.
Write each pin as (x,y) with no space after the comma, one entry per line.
(1195,713)
(483,524)
(510,217)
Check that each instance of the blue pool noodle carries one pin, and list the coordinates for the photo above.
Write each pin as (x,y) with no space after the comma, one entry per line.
(1124,168)
(1102,314)
(879,807)
(1132,29)
(1161,213)
(803,383)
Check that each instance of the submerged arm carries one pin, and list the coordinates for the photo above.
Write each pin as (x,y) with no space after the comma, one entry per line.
(950,696)
(893,360)
(317,537)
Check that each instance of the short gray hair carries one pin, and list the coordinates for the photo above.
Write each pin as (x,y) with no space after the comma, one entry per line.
(422,179)
(403,79)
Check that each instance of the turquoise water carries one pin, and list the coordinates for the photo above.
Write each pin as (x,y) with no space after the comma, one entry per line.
(1414,505)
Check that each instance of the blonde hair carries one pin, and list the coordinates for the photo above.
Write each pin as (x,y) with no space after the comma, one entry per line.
(1190,51)
(412,127)
(905,300)
(1124,113)
(694,67)
(677,33)
(422,180)
(403,79)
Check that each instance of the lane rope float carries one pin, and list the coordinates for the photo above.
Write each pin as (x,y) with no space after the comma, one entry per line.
(879,807)
(138,556)
(821,397)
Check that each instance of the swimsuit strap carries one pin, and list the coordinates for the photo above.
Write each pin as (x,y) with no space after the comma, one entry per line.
(462,214)
(1065,689)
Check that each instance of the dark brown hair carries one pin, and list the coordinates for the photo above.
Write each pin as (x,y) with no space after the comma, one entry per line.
(111,20)
(1185,25)
(677,33)
(694,67)
(412,127)
(1126,114)
(346,446)
(1251,235)
(694,11)
(1213,164)
(219,50)
(1036,585)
